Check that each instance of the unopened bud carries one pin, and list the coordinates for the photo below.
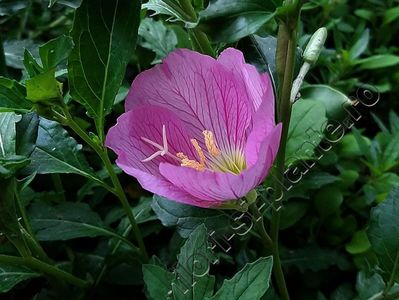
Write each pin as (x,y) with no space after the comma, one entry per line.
(315,45)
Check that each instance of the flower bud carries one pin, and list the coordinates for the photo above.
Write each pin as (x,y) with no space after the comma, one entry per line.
(315,45)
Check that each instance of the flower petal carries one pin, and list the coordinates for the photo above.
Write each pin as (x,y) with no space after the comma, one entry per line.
(259,86)
(217,187)
(200,91)
(125,139)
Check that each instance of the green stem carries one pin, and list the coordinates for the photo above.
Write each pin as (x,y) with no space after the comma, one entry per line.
(260,227)
(189,9)
(286,63)
(118,190)
(56,178)
(43,268)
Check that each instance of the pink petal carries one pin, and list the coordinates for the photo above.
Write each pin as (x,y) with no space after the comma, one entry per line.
(257,85)
(125,140)
(217,187)
(200,91)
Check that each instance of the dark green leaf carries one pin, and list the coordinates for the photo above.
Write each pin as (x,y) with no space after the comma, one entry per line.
(27,130)
(10,7)
(291,213)
(158,281)
(172,9)
(14,52)
(361,45)
(251,282)
(328,200)
(187,217)
(369,286)
(8,220)
(57,152)
(378,61)
(383,234)
(313,258)
(66,221)
(10,276)
(12,96)
(104,33)
(333,100)
(192,279)
(157,37)
(306,129)
(233,29)
(55,51)
(8,122)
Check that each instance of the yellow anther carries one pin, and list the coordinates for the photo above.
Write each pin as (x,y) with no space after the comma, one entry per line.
(199,151)
(186,162)
(210,143)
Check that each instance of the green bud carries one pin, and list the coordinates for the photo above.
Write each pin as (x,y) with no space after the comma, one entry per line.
(315,45)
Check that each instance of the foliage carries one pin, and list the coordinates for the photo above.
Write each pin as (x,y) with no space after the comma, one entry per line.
(65,68)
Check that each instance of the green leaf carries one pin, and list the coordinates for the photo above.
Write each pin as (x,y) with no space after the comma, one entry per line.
(55,51)
(158,281)
(11,7)
(391,152)
(291,213)
(369,286)
(43,87)
(187,218)
(192,271)
(31,65)
(251,282)
(172,9)
(361,45)
(14,52)
(26,136)
(11,275)
(157,37)
(8,133)
(378,61)
(306,129)
(226,8)
(66,221)
(383,233)
(391,15)
(313,258)
(104,33)
(333,100)
(236,19)
(12,96)
(235,29)
(328,200)
(57,152)
(359,243)
(9,220)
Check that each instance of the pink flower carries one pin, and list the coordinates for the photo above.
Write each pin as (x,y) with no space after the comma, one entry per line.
(197,130)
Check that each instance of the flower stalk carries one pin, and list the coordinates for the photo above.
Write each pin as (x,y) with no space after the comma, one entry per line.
(285,64)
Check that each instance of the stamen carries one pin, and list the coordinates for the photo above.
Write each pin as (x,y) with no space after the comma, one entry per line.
(210,143)
(199,151)
(186,162)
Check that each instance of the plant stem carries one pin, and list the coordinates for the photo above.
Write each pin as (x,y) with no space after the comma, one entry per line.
(3,67)
(285,58)
(118,190)
(260,227)
(44,268)
(57,183)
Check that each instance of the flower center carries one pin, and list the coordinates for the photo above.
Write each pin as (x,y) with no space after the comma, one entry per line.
(230,160)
